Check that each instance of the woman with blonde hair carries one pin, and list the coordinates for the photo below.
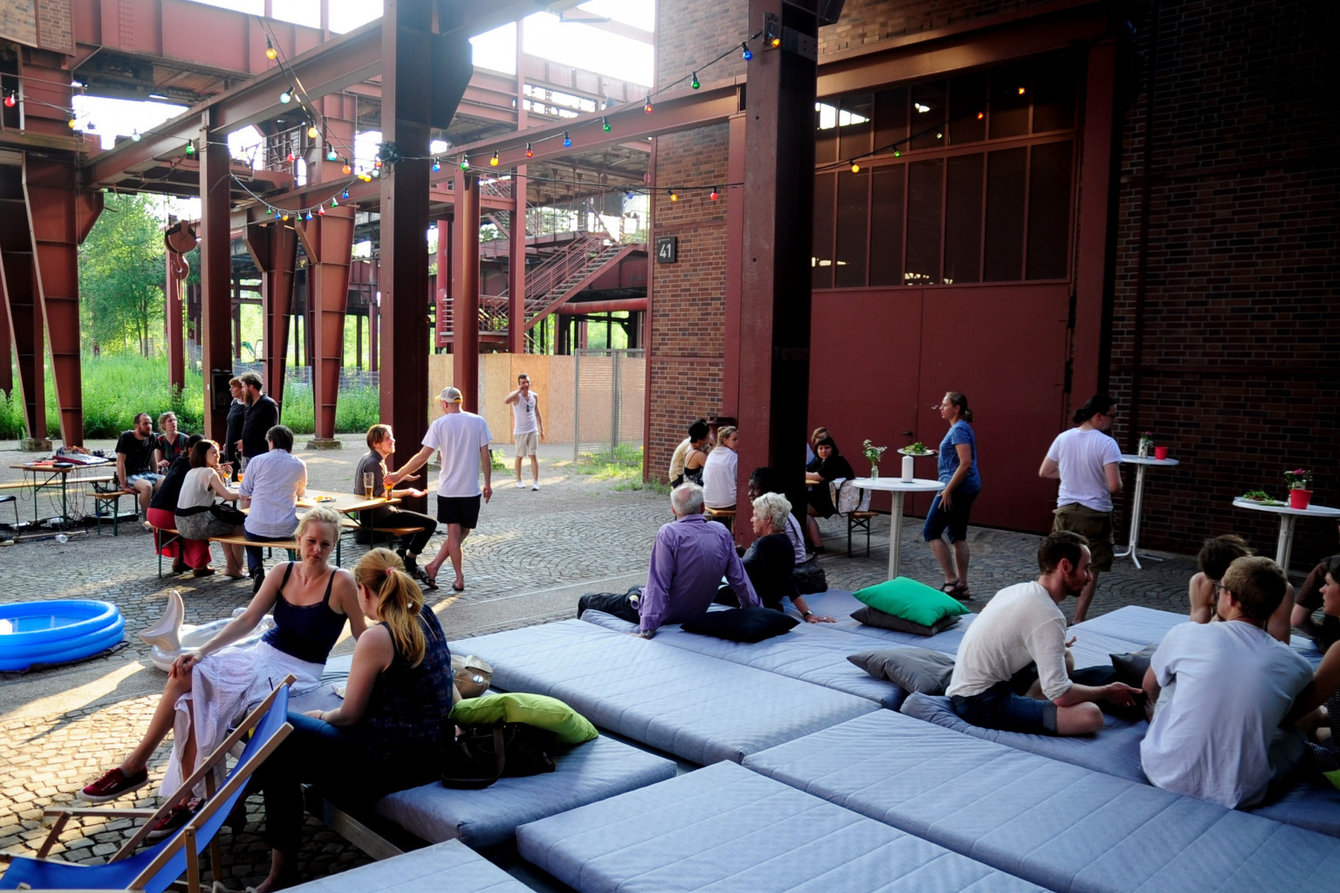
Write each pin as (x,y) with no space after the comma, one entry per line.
(208,690)
(391,730)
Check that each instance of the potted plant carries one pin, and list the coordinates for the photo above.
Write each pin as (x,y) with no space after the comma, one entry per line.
(1300,487)
(1146,444)
(873,453)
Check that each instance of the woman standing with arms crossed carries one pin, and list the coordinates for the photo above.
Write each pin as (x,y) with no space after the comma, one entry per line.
(957,468)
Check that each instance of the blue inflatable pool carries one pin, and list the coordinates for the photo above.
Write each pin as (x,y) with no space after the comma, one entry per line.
(56,632)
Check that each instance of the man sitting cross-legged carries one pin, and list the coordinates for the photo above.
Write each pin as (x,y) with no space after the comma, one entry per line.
(688,560)
(1220,691)
(1023,626)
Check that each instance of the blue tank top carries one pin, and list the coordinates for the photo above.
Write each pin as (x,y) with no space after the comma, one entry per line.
(305,632)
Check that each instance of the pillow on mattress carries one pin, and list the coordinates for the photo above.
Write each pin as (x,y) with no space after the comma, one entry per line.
(910,600)
(740,624)
(541,711)
(1131,666)
(875,617)
(911,669)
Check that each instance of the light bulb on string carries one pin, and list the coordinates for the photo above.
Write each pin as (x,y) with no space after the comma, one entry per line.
(674,196)
(343,195)
(284,217)
(321,210)
(73,123)
(347,168)
(312,132)
(190,148)
(135,135)
(773,40)
(11,99)
(335,204)
(694,83)
(493,162)
(897,153)
(714,196)
(270,52)
(437,165)
(290,157)
(1022,91)
(330,155)
(646,106)
(744,51)
(286,97)
(567,140)
(308,216)
(465,162)
(530,153)
(981,115)
(605,123)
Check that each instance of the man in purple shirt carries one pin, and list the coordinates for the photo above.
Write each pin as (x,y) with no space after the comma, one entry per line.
(690,556)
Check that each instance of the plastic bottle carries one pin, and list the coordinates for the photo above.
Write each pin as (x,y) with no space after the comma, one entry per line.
(62,538)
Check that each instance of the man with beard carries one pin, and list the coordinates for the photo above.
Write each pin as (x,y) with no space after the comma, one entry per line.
(1022,632)
(262,415)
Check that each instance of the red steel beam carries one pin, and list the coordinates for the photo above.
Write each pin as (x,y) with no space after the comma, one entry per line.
(328,241)
(216,283)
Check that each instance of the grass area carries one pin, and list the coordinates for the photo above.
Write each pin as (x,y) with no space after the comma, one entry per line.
(115,388)
(623,468)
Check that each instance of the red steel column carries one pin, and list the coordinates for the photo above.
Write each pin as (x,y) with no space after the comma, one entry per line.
(423,78)
(216,277)
(774,334)
(465,312)
(25,325)
(59,219)
(328,240)
(274,248)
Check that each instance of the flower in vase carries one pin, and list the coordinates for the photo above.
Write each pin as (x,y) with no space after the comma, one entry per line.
(1298,478)
(872,452)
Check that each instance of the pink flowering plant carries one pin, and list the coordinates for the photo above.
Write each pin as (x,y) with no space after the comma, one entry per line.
(1299,478)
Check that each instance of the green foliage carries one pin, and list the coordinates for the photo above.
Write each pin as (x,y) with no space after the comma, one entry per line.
(122,267)
(115,388)
(624,467)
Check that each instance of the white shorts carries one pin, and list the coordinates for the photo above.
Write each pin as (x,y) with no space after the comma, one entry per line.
(526,444)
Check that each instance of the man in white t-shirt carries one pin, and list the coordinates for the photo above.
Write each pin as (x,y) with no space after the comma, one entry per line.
(527,428)
(464,439)
(1022,627)
(1220,692)
(1086,460)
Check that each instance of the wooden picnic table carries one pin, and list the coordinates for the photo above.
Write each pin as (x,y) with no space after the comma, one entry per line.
(53,475)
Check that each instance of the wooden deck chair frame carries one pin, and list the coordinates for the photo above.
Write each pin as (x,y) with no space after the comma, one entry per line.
(187,838)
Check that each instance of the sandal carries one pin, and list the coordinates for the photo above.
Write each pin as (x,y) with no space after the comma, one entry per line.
(957,589)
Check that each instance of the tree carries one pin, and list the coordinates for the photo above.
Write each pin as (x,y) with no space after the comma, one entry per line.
(122,267)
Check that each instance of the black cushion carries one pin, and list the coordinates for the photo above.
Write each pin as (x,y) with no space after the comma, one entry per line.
(1131,666)
(741,624)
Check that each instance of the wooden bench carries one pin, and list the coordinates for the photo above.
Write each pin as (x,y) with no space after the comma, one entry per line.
(163,537)
(290,545)
(724,516)
(110,500)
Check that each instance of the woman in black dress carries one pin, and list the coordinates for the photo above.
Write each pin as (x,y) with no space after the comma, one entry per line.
(830,466)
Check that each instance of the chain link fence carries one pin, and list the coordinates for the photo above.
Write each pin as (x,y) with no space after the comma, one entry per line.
(609,400)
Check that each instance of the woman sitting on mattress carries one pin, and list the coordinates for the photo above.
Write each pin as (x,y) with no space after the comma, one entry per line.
(391,730)
(1319,704)
(771,557)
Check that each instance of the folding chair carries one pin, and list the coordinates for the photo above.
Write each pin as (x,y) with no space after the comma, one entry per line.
(859,518)
(154,869)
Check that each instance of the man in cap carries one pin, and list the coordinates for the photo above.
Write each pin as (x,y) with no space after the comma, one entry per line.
(463,439)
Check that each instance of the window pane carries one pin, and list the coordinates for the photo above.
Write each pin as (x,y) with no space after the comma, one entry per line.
(890,117)
(925,193)
(886,225)
(1049,211)
(928,115)
(852,214)
(963,220)
(825,133)
(1005,172)
(967,109)
(1054,95)
(823,231)
(855,126)
(1009,106)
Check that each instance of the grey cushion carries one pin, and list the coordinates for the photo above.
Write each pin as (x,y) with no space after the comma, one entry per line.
(588,772)
(911,669)
(691,705)
(442,868)
(875,617)
(1132,665)
(725,828)
(1063,826)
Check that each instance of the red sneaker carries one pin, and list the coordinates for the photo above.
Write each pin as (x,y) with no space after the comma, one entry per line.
(176,817)
(113,784)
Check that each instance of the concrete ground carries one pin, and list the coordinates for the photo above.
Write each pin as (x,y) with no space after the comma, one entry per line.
(532,556)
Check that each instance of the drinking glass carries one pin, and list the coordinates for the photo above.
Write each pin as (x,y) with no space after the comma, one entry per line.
(369,482)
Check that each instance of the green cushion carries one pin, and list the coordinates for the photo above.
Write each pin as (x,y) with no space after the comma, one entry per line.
(910,600)
(541,711)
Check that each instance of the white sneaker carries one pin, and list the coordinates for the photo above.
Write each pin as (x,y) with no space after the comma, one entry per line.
(520,485)
(535,485)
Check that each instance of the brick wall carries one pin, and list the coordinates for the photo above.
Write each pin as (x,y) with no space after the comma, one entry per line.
(1225,346)
(686,337)
(865,23)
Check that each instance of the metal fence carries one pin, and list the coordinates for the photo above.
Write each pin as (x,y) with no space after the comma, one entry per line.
(609,400)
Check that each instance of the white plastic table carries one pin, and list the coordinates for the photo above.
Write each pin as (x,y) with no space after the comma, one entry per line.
(1137,501)
(898,488)
(1288,518)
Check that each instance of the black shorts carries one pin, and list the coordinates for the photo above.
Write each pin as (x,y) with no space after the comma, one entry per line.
(462,510)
